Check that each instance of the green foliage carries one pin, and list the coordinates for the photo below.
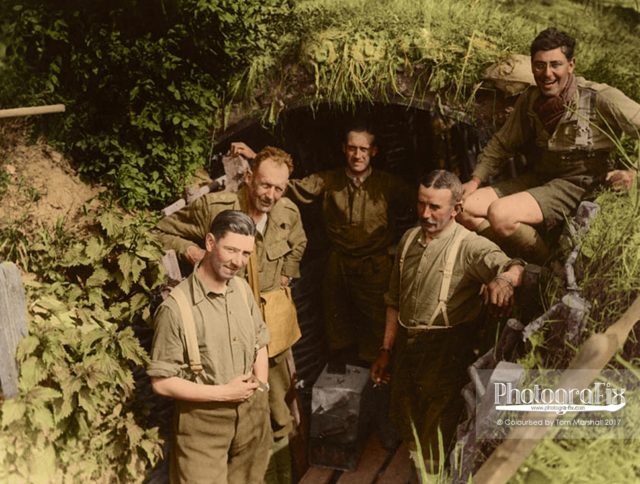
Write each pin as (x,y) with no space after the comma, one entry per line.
(76,383)
(142,82)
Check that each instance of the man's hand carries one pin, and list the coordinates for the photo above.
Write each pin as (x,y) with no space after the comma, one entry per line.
(240,388)
(285,281)
(379,374)
(470,187)
(242,149)
(499,296)
(194,254)
(620,179)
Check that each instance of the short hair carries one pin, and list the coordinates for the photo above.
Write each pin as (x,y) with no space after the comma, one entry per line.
(232,221)
(552,38)
(276,155)
(444,179)
(359,128)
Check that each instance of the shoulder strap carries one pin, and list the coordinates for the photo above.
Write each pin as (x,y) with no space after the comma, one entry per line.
(252,274)
(186,316)
(446,277)
(412,235)
(585,115)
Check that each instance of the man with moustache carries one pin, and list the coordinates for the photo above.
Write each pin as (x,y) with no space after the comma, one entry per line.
(434,312)
(280,244)
(566,126)
(221,420)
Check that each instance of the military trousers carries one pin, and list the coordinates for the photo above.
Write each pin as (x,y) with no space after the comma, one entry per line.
(280,383)
(429,371)
(221,442)
(353,296)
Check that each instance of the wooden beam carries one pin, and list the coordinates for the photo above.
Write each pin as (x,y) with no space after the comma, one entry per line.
(31,111)
(372,460)
(594,354)
(13,325)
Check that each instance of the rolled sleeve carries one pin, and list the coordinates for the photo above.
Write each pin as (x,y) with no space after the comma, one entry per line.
(167,349)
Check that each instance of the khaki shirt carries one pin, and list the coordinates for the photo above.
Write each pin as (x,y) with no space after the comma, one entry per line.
(478,261)
(229,329)
(278,251)
(359,220)
(613,113)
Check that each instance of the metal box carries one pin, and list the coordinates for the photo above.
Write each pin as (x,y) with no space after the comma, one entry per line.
(338,422)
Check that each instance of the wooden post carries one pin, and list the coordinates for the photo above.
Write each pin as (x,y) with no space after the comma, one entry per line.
(13,326)
(592,357)
(16,112)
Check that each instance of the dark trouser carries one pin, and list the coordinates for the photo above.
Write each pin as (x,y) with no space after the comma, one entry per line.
(353,302)
(280,382)
(221,442)
(428,374)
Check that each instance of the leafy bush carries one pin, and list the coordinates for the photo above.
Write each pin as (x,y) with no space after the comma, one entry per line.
(77,416)
(143,83)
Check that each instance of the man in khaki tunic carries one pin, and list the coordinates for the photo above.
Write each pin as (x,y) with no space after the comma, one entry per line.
(360,206)
(566,127)
(221,420)
(431,323)
(280,244)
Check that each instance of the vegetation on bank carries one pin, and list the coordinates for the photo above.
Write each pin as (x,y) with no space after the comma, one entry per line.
(145,84)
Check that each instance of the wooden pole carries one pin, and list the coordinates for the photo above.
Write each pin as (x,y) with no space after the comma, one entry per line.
(16,112)
(592,358)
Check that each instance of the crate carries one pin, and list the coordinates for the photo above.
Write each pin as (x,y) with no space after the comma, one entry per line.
(338,423)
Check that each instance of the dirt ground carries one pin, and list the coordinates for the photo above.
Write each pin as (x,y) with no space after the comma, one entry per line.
(38,186)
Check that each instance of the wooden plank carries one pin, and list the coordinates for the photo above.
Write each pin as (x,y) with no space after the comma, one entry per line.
(317,475)
(15,112)
(400,468)
(593,356)
(13,325)
(372,460)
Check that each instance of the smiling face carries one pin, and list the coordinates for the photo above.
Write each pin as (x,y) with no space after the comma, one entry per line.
(227,255)
(267,185)
(551,70)
(358,151)
(436,210)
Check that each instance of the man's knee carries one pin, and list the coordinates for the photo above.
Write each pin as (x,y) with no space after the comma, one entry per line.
(499,216)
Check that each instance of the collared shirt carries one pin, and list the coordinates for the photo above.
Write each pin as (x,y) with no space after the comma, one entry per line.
(359,179)
(359,220)
(478,261)
(229,329)
(279,250)
(613,113)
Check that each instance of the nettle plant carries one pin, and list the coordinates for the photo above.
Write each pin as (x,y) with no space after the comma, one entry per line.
(77,415)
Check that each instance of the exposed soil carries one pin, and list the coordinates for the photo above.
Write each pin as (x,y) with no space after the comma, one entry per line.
(38,187)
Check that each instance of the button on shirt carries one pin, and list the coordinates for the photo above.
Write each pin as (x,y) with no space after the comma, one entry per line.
(229,328)
(478,261)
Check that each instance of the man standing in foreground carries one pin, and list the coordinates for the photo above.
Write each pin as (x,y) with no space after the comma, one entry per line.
(280,244)
(566,126)
(221,420)
(435,311)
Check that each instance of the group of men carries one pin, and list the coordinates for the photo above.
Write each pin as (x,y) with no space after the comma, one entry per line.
(414,316)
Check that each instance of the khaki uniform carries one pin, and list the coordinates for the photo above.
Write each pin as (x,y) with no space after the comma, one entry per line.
(278,252)
(215,441)
(360,222)
(429,367)
(569,162)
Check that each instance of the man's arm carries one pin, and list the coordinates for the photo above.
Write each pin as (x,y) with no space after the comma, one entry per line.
(261,365)
(185,229)
(502,146)
(297,240)
(306,190)
(237,390)
(500,291)
(379,369)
